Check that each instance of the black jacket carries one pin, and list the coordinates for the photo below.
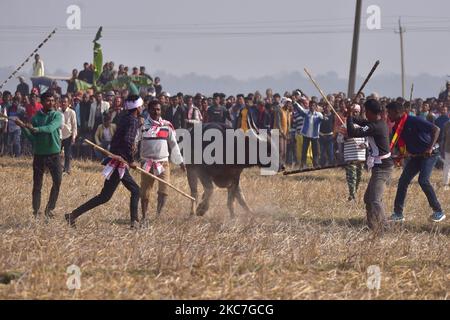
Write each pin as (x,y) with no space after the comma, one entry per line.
(178,119)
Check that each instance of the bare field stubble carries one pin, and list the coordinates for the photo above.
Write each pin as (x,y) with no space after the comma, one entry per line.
(304,242)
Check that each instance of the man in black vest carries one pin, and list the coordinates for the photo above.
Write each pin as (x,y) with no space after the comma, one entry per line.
(176,113)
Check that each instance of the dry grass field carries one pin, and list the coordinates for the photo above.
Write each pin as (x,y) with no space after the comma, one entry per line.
(305,241)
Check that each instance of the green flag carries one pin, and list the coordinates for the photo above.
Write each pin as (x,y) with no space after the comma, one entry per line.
(132,83)
(82,85)
(98,56)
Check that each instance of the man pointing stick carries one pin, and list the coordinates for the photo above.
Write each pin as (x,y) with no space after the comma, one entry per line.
(116,170)
(43,132)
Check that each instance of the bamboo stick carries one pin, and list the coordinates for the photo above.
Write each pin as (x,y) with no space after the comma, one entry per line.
(109,154)
(324,97)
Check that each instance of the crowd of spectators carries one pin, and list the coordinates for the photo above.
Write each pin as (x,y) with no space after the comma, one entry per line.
(310,132)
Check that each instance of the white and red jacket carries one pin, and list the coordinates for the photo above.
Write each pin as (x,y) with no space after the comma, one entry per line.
(158,141)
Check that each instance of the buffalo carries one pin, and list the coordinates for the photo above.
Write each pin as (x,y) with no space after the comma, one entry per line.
(225,171)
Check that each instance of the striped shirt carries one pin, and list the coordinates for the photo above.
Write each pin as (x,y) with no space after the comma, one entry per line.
(297,119)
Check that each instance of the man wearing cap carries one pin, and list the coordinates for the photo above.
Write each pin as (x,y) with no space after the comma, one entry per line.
(110,97)
(23,87)
(116,169)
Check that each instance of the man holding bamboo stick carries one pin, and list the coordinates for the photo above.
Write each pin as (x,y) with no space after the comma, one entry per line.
(158,144)
(379,161)
(418,138)
(116,169)
(44,134)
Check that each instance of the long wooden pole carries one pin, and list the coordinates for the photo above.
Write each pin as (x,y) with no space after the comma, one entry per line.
(324,97)
(109,154)
(286,173)
(28,58)
(366,80)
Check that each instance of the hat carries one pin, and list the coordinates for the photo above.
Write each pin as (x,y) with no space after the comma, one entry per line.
(110,93)
(21,78)
(357,107)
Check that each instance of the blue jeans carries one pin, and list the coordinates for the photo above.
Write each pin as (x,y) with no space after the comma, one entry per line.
(422,166)
(14,143)
(326,150)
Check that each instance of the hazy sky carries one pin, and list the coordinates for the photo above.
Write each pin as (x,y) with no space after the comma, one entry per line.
(247,38)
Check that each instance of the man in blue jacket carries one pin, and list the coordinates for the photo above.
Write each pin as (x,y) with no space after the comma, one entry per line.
(420,137)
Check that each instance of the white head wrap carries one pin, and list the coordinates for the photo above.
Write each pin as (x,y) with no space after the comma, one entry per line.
(130,105)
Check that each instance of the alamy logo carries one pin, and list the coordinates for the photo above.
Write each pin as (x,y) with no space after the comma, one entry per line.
(373,277)
(374,20)
(73,21)
(74,280)
(230,147)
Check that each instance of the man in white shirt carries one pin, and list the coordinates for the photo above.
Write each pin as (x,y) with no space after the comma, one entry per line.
(68,132)
(310,130)
(158,143)
(98,108)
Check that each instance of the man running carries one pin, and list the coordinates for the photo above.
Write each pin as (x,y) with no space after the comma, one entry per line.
(116,170)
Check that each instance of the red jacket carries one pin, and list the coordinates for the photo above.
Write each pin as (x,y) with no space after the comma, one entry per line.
(32,109)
